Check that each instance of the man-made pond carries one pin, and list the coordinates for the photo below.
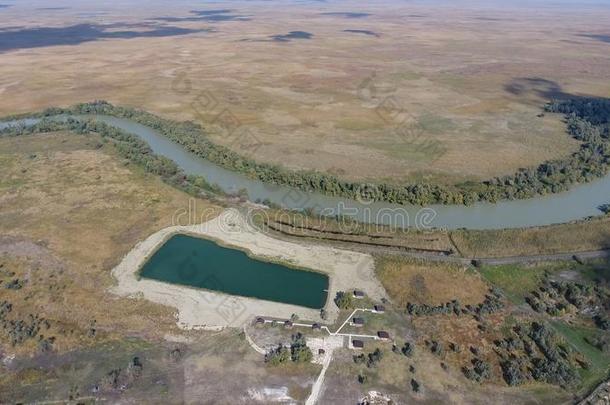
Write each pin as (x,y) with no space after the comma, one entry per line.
(579,202)
(201,263)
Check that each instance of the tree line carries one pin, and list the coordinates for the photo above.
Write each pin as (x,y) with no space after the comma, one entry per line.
(586,120)
(128,146)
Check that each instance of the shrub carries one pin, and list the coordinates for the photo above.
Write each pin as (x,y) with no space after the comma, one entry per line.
(437,348)
(362,378)
(602,322)
(554,372)
(480,371)
(408,349)
(511,371)
(301,354)
(415,385)
(374,358)
(277,356)
(344,300)
(299,351)
(15,284)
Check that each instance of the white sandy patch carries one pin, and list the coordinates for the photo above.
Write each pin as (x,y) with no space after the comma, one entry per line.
(269,395)
(177,338)
(201,309)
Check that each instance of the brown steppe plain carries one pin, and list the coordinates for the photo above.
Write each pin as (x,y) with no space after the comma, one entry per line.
(435,91)
(358,89)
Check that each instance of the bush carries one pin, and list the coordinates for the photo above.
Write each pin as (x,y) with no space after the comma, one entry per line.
(374,358)
(299,351)
(415,385)
(554,372)
(344,300)
(480,371)
(277,356)
(301,354)
(45,345)
(511,371)
(121,379)
(491,304)
(359,359)
(15,284)
(362,378)
(437,348)
(602,322)
(134,368)
(408,349)
(455,347)
(601,342)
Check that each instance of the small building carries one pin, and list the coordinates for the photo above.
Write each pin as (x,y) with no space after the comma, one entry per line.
(288,325)
(259,322)
(379,309)
(357,344)
(357,322)
(383,335)
(358,294)
(316,326)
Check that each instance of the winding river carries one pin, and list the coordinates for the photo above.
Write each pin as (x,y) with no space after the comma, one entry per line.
(579,202)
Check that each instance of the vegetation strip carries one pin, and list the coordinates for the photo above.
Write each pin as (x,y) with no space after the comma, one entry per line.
(280,227)
(438,255)
(586,119)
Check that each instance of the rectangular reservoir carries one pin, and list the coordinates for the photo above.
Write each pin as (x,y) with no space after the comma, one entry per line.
(202,263)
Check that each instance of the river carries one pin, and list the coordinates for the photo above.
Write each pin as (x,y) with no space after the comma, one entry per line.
(579,202)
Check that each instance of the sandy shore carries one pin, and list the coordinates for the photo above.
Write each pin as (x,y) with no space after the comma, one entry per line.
(199,309)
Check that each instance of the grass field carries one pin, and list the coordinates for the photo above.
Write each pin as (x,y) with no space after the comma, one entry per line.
(71,208)
(599,362)
(420,282)
(468,80)
(579,236)
(516,281)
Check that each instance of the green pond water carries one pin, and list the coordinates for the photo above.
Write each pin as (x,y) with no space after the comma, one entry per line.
(201,263)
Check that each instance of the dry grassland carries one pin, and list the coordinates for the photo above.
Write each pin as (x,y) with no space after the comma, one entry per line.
(68,213)
(573,237)
(470,80)
(420,282)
